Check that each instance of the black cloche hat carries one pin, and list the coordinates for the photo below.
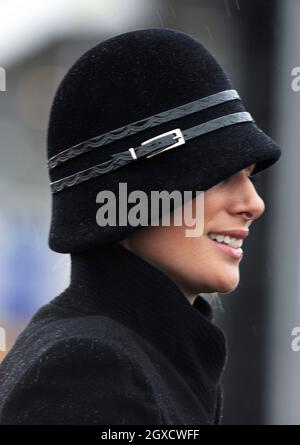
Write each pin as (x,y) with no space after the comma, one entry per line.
(151,108)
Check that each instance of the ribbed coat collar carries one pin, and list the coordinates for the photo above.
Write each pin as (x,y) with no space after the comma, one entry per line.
(116,282)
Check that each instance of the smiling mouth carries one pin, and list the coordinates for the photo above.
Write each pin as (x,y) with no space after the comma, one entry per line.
(234,252)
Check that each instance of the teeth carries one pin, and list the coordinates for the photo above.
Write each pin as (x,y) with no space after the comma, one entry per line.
(232,242)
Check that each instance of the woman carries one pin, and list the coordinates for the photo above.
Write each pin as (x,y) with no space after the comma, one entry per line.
(131,340)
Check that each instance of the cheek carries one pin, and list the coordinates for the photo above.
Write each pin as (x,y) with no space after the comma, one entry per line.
(189,257)
(214,205)
(202,267)
(170,248)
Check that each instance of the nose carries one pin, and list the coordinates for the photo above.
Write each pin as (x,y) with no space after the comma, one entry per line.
(248,203)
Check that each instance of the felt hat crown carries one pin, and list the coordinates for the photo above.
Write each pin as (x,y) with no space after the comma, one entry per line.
(151,108)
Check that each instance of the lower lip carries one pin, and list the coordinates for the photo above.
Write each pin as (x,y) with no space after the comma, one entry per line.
(234,253)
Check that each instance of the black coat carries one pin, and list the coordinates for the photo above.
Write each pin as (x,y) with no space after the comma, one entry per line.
(121,345)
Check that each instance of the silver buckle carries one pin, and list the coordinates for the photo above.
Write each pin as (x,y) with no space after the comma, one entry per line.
(177,135)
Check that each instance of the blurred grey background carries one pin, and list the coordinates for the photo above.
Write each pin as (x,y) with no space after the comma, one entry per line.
(258,44)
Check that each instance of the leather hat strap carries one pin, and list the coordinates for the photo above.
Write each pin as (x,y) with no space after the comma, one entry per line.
(149,148)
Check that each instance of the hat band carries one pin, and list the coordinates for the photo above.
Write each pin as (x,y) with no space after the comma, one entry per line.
(149,148)
(135,127)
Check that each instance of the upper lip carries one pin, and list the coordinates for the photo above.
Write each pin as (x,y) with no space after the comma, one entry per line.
(240,234)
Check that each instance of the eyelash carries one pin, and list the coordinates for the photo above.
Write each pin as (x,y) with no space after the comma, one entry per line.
(252,179)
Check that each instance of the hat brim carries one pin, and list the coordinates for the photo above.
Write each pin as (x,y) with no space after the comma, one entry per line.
(209,159)
(231,149)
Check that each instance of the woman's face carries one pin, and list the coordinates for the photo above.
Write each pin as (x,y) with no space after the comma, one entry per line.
(199,264)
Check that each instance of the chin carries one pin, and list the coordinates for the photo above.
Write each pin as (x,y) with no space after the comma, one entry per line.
(227,286)
(223,288)
(223,283)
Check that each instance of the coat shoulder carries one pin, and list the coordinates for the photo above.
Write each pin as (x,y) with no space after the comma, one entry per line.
(77,370)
